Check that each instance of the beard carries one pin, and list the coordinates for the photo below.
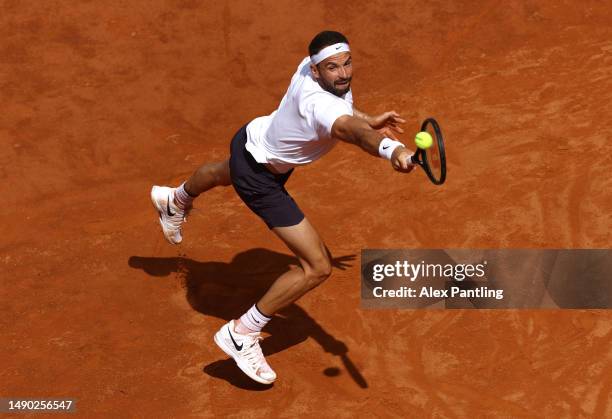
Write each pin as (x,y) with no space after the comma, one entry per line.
(334,88)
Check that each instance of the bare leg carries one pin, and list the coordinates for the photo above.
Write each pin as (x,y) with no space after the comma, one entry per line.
(304,241)
(310,250)
(207,177)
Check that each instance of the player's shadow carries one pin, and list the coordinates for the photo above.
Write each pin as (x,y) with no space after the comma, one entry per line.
(225,290)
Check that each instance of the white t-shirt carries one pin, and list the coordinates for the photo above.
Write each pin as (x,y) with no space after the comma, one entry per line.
(299,131)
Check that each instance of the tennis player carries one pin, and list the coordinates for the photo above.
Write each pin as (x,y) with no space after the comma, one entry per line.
(314,114)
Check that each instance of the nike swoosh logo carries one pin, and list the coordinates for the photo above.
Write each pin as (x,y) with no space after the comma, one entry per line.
(256,321)
(386,147)
(339,46)
(239,348)
(170,213)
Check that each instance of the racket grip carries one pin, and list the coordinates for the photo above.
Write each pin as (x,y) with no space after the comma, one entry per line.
(414,159)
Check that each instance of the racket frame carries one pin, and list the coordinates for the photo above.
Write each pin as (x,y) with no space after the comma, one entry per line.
(420,157)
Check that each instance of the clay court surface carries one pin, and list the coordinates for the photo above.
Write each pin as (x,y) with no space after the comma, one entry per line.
(101,100)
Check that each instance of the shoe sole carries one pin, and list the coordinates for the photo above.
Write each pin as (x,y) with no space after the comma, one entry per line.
(219,341)
(159,219)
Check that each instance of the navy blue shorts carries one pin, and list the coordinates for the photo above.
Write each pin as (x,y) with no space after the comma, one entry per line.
(261,190)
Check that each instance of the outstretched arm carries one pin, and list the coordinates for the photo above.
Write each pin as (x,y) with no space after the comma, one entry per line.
(356,130)
(390,119)
(361,115)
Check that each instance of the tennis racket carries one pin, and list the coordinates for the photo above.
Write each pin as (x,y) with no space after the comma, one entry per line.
(433,159)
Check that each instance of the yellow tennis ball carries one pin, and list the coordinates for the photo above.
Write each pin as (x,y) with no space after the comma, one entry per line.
(423,140)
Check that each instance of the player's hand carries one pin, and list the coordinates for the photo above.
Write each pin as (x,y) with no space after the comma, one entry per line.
(401,160)
(389,119)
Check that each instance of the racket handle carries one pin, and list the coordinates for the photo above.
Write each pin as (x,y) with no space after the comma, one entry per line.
(414,159)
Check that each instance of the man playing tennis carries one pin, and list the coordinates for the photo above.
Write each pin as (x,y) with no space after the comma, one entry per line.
(314,114)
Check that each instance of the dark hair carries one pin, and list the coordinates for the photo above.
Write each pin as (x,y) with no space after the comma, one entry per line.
(325,39)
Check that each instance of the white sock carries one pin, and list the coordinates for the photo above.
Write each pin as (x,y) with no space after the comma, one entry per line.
(253,320)
(182,199)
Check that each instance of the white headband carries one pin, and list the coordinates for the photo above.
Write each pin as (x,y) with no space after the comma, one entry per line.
(328,52)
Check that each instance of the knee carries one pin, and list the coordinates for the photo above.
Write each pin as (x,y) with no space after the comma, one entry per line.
(317,272)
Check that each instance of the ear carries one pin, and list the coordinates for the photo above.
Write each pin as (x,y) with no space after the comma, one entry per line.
(315,71)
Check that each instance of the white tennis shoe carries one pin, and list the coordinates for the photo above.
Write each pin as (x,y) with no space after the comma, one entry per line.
(171,217)
(246,352)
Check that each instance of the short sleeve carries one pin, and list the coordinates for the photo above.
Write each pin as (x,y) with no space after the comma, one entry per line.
(327,109)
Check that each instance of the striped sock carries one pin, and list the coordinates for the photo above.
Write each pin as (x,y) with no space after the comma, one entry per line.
(252,321)
(182,199)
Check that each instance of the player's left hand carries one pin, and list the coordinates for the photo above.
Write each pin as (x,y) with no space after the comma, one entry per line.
(390,119)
